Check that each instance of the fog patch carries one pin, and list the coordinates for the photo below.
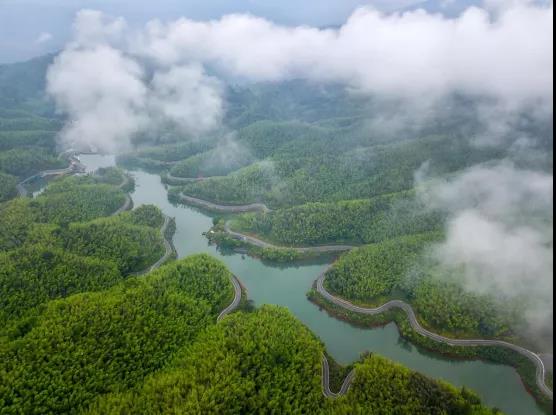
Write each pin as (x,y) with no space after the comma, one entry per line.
(110,95)
(188,98)
(499,234)
(103,94)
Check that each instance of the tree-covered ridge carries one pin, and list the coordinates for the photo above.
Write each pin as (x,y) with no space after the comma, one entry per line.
(34,274)
(356,221)
(264,362)
(308,173)
(132,247)
(95,343)
(163,156)
(371,272)
(28,127)
(80,198)
(7,186)
(216,162)
(202,277)
(66,200)
(249,184)
(400,268)
(23,162)
(44,258)
(173,152)
(268,362)
(36,138)
(21,84)
(80,203)
(17,219)
(405,392)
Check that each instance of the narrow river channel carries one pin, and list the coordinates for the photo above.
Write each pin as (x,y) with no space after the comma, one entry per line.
(499,386)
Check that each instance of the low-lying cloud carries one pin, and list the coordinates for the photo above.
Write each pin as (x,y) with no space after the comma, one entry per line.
(500,233)
(110,95)
(103,94)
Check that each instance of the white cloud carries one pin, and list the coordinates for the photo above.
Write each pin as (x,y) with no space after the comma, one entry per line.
(103,94)
(109,96)
(409,54)
(186,96)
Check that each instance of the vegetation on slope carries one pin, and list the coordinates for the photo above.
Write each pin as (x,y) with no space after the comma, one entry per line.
(95,343)
(42,259)
(405,392)
(308,173)
(356,221)
(23,162)
(7,186)
(268,362)
(398,268)
(34,274)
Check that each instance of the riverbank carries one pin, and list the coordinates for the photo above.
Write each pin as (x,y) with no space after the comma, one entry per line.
(526,369)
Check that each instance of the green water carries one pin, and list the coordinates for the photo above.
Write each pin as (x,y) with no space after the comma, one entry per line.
(499,386)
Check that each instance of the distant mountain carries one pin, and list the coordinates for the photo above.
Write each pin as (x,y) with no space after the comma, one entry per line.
(24,81)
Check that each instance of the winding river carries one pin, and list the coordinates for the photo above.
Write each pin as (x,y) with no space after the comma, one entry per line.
(498,385)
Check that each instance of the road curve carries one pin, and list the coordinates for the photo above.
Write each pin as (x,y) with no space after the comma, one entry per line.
(128,203)
(74,166)
(168,178)
(326,381)
(235,302)
(322,249)
(205,204)
(168,250)
(533,357)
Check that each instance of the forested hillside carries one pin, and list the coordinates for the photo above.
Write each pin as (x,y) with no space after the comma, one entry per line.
(59,244)
(400,268)
(94,343)
(28,125)
(267,362)
(355,221)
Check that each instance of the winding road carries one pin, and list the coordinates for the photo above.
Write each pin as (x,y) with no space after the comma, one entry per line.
(321,249)
(181,180)
(533,357)
(325,366)
(128,203)
(235,302)
(168,250)
(257,207)
(75,166)
(205,204)
(326,381)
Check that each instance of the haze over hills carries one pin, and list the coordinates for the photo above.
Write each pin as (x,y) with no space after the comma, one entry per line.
(415,147)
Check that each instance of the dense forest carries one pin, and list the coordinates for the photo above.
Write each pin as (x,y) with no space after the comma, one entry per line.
(314,170)
(356,221)
(93,343)
(28,125)
(69,247)
(400,268)
(267,362)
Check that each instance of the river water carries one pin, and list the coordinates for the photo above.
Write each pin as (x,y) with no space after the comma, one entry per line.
(499,386)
